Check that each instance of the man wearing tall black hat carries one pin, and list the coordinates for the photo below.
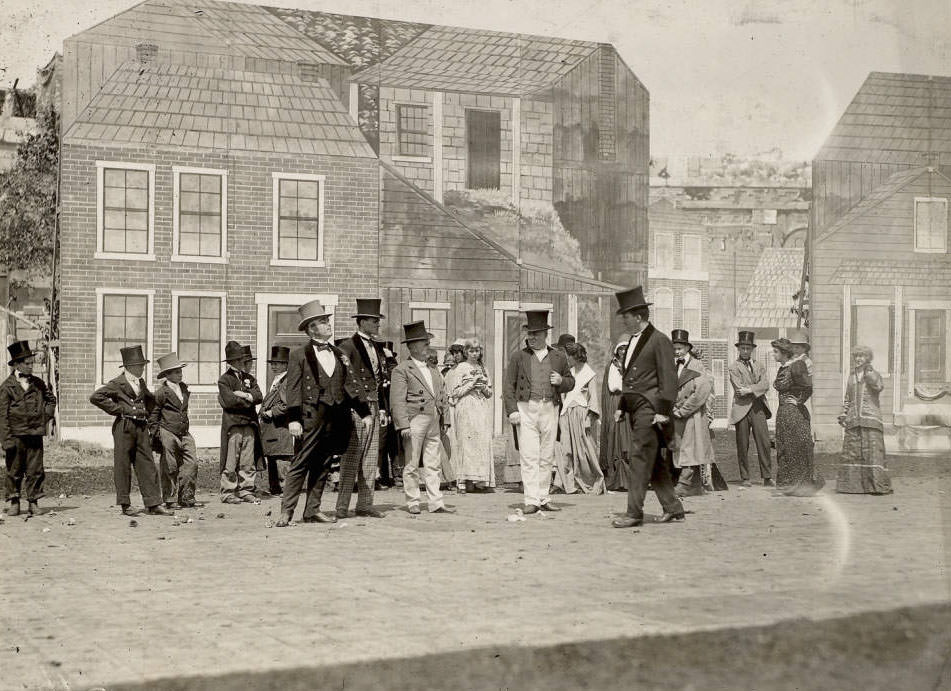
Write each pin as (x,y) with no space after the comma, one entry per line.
(419,405)
(749,411)
(129,400)
(648,392)
(534,381)
(238,396)
(26,405)
(368,365)
(321,395)
(694,447)
(276,440)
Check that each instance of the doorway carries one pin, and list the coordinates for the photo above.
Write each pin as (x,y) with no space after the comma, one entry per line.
(484,149)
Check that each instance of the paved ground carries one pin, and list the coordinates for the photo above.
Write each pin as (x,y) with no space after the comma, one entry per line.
(88,600)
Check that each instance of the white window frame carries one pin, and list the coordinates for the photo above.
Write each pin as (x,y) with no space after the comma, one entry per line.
(176,191)
(657,255)
(683,311)
(263,301)
(100,293)
(100,220)
(432,306)
(944,247)
(654,298)
(321,181)
(409,158)
(684,254)
(223,296)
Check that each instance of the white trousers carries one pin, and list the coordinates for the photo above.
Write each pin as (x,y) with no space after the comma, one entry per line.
(536,443)
(424,432)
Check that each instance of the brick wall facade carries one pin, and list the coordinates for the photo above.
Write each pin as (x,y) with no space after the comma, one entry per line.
(350,220)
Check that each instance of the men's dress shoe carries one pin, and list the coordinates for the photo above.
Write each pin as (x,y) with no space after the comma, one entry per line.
(127,510)
(369,513)
(530,509)
(285,520)
(33,509)
(342,513)
(668,517)
(627,522)
(14,509)
(320,518)
(414,510)
(158,510)
(549,507)
(768,483)
(169,505)
(443,509)
(746,483)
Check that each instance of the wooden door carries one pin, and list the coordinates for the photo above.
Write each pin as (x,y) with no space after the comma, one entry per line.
(484,148)
(282,330)
(930,345)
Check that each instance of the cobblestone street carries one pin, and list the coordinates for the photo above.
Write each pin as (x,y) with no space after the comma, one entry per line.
(89,600)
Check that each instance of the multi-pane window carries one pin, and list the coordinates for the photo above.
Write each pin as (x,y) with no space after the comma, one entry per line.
(412,130)
(691,312)
(436,324)
(199,214)
(692,252)
(199,336)
(125,322)
(663,310)
(125,211)
(298,219)
(931,225)
(872,326)
(663,250)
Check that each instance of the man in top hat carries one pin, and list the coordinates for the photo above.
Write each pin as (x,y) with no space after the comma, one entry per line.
(168,421)
(129,400)
(648,392)
(419,406)
(238,396)
(534,381)
(26,405)
(368,365)
(694,447)
(276,440)
(321,394)
(750,412)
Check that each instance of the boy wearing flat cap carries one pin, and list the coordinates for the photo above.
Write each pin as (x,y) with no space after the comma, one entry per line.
(26,405)
(169,422)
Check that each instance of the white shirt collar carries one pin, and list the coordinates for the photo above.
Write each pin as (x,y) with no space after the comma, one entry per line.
(540,354)
(419,363)
(133,381)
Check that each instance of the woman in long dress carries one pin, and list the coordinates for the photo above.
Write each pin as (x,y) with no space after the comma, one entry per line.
(470,394)
(796,473)
(576,467)
(615,456)
(862,470)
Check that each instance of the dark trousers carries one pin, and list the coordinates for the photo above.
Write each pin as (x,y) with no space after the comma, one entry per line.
(25,468)
(755,420)
(133,449)
(311,464)
(647,466)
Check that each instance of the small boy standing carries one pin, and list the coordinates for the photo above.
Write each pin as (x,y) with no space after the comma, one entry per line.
(26,405)
(238,396)
(169,421)
(276,439)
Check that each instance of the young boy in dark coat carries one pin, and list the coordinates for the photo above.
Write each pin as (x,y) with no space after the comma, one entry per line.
(26,405)
(169,422)
(239,395)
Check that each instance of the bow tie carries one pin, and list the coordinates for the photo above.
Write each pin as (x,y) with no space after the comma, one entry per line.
(680,362)
(321,345)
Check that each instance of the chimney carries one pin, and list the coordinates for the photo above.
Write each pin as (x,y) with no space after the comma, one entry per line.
(146,52)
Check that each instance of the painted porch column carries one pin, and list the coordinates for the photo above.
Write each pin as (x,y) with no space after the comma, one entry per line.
(516,151)
(355,102)
(437,147)
(573,315)
(896,349)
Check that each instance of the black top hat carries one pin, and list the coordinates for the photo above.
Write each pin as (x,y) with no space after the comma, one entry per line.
(415,331)
(132,356)
(537,320)
(246,350)
(19,350)
(745,338)
(233,351)
(628,300)
(681,336)
(564,340)
(279,353)
(369,307)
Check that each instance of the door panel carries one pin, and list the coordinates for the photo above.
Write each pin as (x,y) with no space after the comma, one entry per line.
(282,330)
(930,346)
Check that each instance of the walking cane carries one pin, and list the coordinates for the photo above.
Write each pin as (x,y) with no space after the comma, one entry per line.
(515,435)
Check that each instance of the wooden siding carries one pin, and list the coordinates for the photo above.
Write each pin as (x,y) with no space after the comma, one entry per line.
(837,186)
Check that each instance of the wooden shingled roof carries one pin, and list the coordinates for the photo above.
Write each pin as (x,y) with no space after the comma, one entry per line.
(474,60)
(201,108)
(768,297)
(214,27)
(893,118)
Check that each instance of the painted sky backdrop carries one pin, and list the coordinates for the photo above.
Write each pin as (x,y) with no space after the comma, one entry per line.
(725,76)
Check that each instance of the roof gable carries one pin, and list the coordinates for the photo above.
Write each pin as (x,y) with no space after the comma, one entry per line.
(888,189)
(201,108)
(893,118)
(769,296)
